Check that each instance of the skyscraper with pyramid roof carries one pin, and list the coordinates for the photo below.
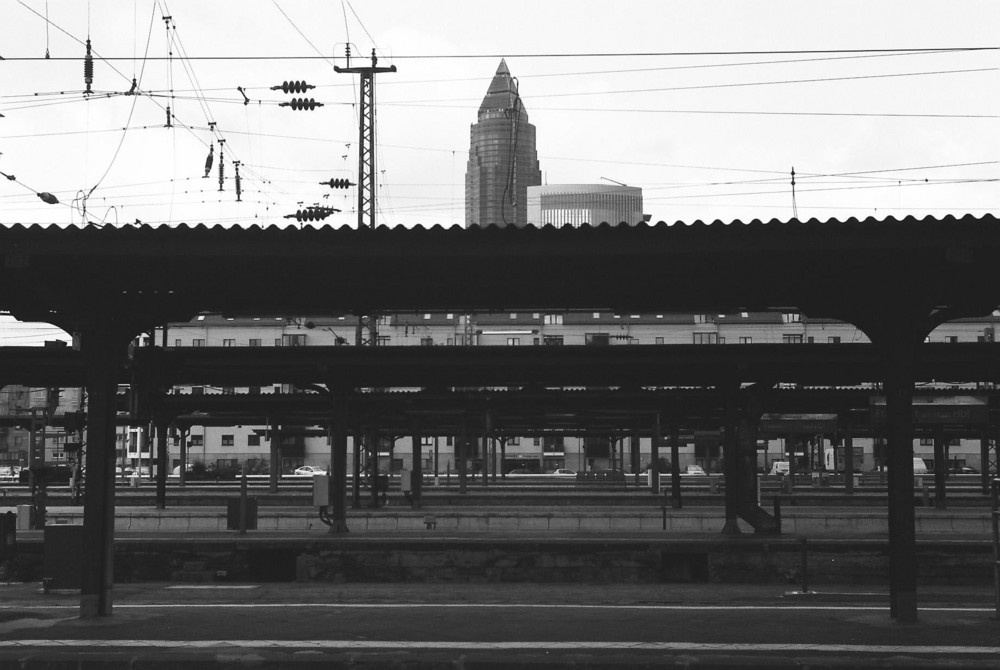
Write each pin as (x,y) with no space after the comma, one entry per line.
(503,161)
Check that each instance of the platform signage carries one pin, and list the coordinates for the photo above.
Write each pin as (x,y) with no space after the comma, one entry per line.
(939,410)
(798,424)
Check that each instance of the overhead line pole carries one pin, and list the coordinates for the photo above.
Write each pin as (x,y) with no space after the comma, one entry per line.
(367,329)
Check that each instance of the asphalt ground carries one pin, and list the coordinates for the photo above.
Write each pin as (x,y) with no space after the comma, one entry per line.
(514,625)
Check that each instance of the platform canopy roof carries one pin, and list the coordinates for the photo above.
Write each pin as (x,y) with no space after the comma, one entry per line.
(861,271)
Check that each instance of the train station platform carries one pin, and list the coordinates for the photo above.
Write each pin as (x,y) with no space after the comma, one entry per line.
(593,515)
(494,626)
(503,586)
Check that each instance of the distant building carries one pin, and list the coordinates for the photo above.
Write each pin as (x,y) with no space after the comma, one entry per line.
(503,161)
(584,204)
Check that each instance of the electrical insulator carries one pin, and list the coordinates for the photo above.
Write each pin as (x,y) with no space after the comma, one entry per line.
(209,159)
(301,103)
(88,68)
(222,165)
(337,183)
(312,214)
(236,164)
(293,87)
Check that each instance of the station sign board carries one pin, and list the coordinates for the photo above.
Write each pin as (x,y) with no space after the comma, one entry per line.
(773,425)
(964,410)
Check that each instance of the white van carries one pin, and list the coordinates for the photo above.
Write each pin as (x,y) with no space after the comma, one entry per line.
(779,467)
(919,467)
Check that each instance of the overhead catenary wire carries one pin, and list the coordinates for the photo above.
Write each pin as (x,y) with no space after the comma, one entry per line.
(590,54)
(563,74)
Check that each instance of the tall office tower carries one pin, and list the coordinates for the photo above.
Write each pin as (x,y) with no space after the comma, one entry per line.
(503,162)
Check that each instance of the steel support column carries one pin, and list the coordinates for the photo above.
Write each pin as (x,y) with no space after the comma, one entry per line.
(675,463)
(654,455)
(634,454)
(161,424)
(417,477)
(182,435)
(899,439)
(338,462)
(849,457)
(275,453)
(731,457)
(371,446)
(984,458)
(461,454)
(103,351)
(356,469)
(940,469)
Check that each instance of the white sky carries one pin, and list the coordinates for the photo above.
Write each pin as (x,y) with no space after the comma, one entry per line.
(855,149)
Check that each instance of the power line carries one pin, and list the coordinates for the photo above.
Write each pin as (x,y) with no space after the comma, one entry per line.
(840,188)
(398,83)
(890,115)
(621,54)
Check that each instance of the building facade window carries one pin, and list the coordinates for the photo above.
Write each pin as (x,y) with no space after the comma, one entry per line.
(833,339)
(293,340)
(597,338)
(427,341)
(198,342)
(746,340)
(791,339)
(791,317)
(228,440)
(254,342)
(513,341)
(552,339)
(229,343)
(702,318)
(197,440)
(253,440)
(553,319)
(659,340)
(706,338)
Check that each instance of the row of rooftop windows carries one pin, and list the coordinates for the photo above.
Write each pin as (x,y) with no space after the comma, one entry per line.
(589,338)
(547,318)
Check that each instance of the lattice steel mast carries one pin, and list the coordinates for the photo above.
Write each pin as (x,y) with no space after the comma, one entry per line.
(367,330)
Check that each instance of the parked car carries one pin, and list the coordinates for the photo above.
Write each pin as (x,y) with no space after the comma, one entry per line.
(694,470)
(521,471)
(562,472)
(310,470)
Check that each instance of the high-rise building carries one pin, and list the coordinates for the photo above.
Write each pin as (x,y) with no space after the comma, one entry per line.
(585,204)
(503,162)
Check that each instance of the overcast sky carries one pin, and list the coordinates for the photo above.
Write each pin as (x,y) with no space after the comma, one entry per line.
(705,105)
